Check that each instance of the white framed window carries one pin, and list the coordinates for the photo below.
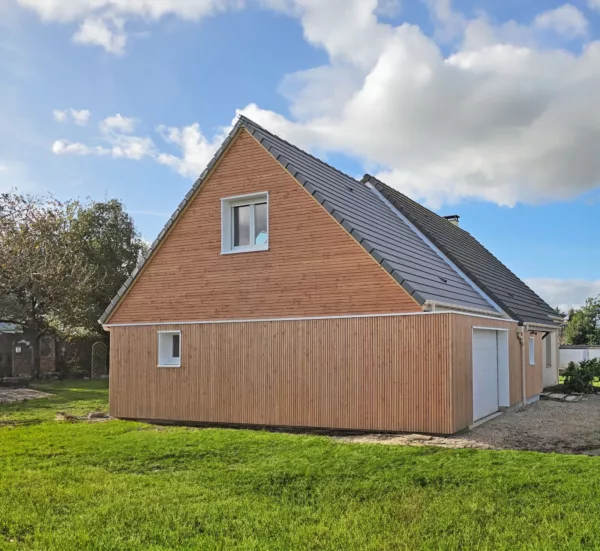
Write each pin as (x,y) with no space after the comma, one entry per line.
(169,349)
(531,350)
(245,223)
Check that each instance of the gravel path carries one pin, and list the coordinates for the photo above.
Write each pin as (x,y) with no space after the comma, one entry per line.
(545,426)
(12,395)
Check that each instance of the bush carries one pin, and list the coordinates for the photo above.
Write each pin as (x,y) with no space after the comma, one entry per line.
(580,377)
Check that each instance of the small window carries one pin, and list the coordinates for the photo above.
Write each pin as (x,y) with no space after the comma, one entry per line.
(245,223)
(169,349)
(531,350)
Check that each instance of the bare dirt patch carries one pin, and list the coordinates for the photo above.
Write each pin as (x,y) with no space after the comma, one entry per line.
(13,395)
(415,440)
(546,426)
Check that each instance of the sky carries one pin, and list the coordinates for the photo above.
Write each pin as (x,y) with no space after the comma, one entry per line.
(484,109)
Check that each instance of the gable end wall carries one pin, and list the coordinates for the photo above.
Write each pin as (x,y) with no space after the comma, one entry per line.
(313,268)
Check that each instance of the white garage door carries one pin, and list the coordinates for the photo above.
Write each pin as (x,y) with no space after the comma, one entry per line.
(485,373)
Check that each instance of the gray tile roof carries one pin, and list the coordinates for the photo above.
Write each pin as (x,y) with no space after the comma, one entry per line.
(390,241)
(481,266)
(373,223)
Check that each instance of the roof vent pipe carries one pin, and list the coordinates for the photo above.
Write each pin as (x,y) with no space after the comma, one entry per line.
(453,219)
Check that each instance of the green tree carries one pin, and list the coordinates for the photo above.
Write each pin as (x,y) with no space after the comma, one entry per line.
(583,326)
(61,263)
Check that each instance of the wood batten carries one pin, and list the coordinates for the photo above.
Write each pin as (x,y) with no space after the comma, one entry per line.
(372,373)
(313,266)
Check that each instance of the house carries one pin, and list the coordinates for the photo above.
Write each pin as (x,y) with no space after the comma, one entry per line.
(284,292)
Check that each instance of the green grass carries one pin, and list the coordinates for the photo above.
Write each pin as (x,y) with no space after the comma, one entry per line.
(129,486)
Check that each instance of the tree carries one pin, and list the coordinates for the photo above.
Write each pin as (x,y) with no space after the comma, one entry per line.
(583,325)
(106,238)
(61,263)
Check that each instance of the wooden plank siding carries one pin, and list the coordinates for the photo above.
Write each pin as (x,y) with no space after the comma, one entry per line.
(312,268)
(462,366)
(388,373)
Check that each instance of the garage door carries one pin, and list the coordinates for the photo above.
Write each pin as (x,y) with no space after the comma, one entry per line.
(485,373)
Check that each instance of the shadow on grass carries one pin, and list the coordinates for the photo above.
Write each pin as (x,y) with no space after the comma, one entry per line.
(76,397)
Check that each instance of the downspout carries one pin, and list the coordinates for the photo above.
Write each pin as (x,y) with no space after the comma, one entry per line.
(521,337)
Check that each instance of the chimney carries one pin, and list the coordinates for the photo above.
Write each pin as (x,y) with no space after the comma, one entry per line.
(453,219)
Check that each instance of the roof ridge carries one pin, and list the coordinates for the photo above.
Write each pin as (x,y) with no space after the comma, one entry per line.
(244,119)
(368,177)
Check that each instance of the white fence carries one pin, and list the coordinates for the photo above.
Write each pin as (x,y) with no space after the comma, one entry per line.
(577,354)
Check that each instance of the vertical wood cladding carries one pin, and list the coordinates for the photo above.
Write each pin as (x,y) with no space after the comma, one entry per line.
(313,268)
(396,373)
(378,373)
(462,366)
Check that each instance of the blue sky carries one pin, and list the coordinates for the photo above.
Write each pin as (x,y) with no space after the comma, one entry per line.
(482,108)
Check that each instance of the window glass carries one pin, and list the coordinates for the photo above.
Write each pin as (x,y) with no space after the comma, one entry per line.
(176,346)
(260,224)
(531,351)
(241,226)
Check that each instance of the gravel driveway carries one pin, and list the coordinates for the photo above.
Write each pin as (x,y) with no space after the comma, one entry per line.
(546,426)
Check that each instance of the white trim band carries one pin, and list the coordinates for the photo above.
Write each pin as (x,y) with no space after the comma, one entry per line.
(351,316)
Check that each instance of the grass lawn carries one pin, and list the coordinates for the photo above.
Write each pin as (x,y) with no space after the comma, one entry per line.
(129,486)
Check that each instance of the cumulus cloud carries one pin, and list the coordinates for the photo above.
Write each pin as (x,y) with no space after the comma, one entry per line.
(79,117)
(499,118)
(495,114)
(118,123)
(3,168)
(565,293)
(105,32)
(196,149)
(118,142)
(594,5)
(566,20)
(103,22)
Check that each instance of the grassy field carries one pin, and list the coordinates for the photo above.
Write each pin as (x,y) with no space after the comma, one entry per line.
(122,485)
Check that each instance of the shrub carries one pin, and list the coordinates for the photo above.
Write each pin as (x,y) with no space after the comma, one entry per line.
(580,377)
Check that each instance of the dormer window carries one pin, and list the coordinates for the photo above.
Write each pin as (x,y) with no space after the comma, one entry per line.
(245,223)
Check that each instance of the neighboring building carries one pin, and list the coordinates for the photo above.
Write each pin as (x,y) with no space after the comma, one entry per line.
(283,292)
(577,353)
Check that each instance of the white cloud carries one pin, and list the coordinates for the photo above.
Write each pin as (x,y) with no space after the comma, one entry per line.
(498,115)
(117,142)
(500,118)
(79,117)
(565,20)
(3,168)
(565,293)
(594,5)
(118,123)
(196,149)
(64,147)
(59,116)
(105,32)
(102,22)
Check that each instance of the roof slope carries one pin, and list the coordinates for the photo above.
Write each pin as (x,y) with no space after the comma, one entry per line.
(409,259)
(401,251)
(494,278)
